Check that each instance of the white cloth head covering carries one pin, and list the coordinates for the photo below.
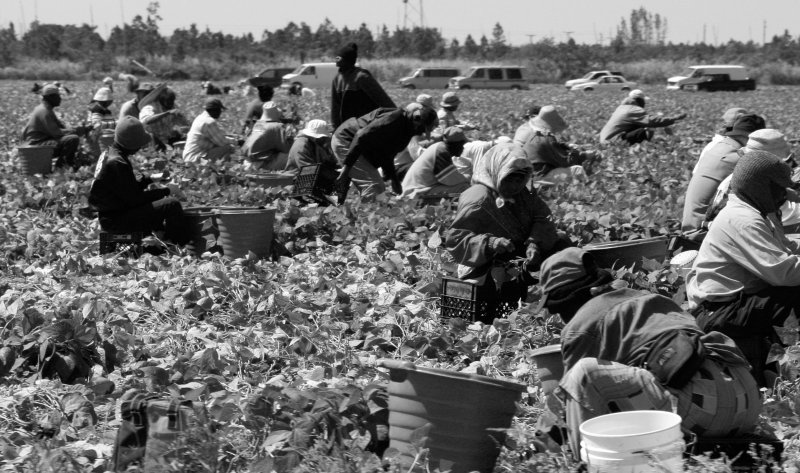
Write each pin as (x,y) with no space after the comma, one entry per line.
(496,164)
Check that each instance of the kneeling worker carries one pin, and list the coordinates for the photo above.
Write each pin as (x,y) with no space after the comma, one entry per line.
(122,203)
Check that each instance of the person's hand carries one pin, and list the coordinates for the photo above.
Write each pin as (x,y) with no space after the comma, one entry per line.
(175,190)
(343,176)
(533,257)
(501,245)
(680,117)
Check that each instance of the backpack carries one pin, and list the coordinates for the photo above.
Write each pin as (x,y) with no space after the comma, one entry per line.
(156,431)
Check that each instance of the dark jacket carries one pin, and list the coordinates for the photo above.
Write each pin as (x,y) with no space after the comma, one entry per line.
(115,188)
(628,117)
(43,125)
(308,151)
(546,153)
(377,137)
(479,220)
(354,92)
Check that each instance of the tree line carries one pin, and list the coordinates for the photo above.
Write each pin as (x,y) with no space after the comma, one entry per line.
(640,37)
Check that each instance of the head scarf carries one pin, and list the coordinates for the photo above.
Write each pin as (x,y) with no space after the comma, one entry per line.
(498,163)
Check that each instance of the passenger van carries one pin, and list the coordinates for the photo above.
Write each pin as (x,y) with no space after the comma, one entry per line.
(491,77)
(313,75)
(429,78)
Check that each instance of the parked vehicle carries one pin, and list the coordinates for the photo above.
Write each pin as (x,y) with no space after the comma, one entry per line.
(491,77)
(590,77)
(606,83)
(312,75)
(272,76)
(712,78)
(429,78)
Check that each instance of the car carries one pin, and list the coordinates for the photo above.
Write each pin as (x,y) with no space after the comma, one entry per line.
(272,76)
(712,78)
(590,77)
(314,75)
(429,78)
(491,77)
(606,83)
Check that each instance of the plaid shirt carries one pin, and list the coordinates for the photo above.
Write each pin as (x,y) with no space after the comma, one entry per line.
(204,136)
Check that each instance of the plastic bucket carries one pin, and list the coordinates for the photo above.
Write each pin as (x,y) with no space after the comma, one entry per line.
(614,254)
(465,413)
(549,366)
(242,231)
(199,227)
(633,441)
(35,159)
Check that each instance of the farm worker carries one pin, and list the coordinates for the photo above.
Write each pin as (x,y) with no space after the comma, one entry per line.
(206,140)
(122,203)
(472,151)
(525,130)
(365,144)
(746,276)
(417,144)
(131,107)
(631,123)
(131,80)
(613,346)
(499,220)
(165,123)
(446,114)
(45,129)
(254,109)
(553,160)
(715,165)
(354,92)
(108,82)
(728,119)
(311,146)
(267,146)
(100,119)
(433,172)
(300,91)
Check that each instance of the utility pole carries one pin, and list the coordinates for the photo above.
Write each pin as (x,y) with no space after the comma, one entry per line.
(764,34)
(91,15)
(568,33)
(530,38)
(24,24)
(704,33)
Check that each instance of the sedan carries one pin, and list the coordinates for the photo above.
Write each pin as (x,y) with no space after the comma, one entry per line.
(606,83)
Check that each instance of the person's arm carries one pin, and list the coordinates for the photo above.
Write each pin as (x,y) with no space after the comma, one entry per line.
(52,126)
(214,133)
(374,91)
(543,230)
(371,137)
(758,250)
(127,188)
(659,122)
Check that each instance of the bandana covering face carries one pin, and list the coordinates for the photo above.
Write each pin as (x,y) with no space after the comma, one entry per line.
(497,164)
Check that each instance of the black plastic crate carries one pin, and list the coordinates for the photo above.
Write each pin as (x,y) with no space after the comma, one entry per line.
(121,243)
(739,446)
(466,300)
(317,182)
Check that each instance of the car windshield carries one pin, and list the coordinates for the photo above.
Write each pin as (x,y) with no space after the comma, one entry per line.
(475,72)
(589,75)
(692,72)
(299,70)
(417,73)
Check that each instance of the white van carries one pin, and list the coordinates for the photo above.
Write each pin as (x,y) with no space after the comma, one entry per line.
(429,78)
(314,75)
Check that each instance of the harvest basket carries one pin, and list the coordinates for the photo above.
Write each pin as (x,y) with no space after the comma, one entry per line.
(615,254)
(130,243)
(244,230)
(199,228)
(317,182)
(467,300)
(35,159)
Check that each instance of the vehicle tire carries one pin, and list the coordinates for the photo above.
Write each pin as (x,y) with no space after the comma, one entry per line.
(516,87)
(465,87)
(298,84)
(626,89)
(409,87)
(588,89)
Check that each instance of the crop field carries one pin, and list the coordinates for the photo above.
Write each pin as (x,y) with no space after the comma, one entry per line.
(282,352)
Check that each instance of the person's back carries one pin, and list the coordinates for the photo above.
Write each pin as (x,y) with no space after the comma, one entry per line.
(626,117)
(42,125)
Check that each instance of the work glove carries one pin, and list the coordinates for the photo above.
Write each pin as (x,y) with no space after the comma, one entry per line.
(501,246)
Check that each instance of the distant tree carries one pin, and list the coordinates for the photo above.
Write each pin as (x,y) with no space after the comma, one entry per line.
(383,45)
(483,49)
(9,44)
(498,45)
(454,50)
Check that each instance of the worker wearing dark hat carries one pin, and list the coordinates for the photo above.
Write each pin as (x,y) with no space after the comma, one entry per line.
(206,140)
(625,350)
(354,92)
(131,107)
(45,129)
(122,203)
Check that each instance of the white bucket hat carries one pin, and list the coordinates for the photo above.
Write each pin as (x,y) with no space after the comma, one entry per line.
(316,129)
(102,94)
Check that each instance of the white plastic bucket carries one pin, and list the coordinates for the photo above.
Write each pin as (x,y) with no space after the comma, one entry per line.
(633,441)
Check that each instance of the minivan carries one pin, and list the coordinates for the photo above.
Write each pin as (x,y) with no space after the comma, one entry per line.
(491,77)
(313,75)
(429,78)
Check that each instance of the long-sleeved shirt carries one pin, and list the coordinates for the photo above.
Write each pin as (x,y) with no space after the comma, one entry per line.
(252,113)
(743,251)
(377,137)
(308,151)
(355,93)
(129,109)
(628,117)
(115,188)
(478,222)
(43,125)
(204,135)
(433,167)
(546,153)
(717,162)
(266,141)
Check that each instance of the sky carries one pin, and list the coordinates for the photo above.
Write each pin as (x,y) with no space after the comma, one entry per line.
(586,21)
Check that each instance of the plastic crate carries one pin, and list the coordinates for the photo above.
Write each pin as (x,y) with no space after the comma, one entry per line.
(733,446)
(317,182)
(121,243)
(466,300)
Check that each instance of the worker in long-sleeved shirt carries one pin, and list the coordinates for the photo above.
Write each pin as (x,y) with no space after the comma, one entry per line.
(365,144)
(206,140)
(631,123)
(354,91)
(45,129)
(746,276)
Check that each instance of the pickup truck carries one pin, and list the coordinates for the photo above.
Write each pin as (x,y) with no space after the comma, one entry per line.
(712,78)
